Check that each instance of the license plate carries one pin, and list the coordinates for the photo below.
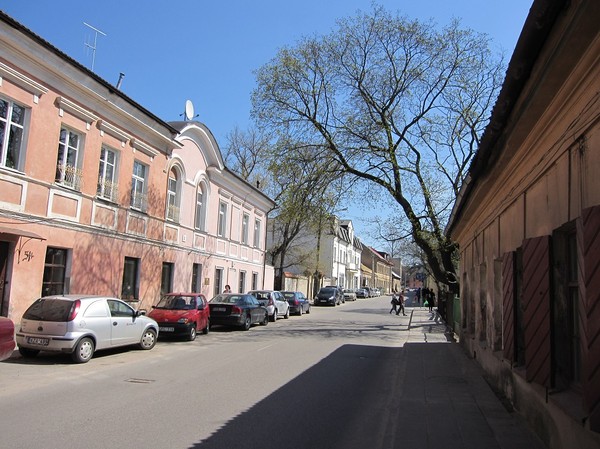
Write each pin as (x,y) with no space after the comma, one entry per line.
(38,341)
(166,329)
(219,309)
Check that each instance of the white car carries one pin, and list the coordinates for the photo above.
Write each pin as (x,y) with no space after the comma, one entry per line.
(274,301)
(79,325)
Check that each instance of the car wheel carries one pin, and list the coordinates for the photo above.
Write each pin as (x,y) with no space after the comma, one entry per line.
(27,352)
(300,310)
(148,339)
(247,323)
(265,320)
(308,310)
(274,316)
(207,328)
(84,350)
(287,314)
(191,336)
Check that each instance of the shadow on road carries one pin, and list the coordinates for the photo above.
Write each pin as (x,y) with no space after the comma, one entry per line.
(416,396)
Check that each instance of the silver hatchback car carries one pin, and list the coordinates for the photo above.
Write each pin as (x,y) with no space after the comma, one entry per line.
(80,325)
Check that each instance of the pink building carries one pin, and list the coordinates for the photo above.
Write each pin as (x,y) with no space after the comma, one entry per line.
(100,196)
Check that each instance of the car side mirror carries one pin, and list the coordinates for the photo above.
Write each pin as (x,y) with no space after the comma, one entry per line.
(140,312)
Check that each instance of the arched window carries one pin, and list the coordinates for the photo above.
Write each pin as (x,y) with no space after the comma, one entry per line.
(200,219)
(173,195)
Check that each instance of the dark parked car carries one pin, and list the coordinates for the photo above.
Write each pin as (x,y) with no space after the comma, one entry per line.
(329,296)
(362,293)
(299,303)
(182,314)
(233,309)
(7,338)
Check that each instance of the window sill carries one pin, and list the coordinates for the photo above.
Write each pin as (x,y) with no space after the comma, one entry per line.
(67,187)
(106,200)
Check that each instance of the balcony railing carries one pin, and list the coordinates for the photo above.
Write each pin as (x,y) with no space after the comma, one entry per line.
(69,176)
(173,213)
(139,201)
(108,190)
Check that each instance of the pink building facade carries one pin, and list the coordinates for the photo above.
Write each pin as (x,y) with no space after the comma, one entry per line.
(100,196)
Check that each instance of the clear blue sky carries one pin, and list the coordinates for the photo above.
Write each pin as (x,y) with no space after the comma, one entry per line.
(207,51)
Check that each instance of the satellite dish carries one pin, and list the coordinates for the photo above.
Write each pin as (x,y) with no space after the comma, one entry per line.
(189,110)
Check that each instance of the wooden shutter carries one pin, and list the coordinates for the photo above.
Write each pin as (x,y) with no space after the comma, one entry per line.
(508,306)
(589,283)
(536,309)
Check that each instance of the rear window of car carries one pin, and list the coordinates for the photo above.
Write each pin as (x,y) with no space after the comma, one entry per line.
(228,299)
(49,310)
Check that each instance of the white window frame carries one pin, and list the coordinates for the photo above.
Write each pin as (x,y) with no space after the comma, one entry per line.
(245,224)
(173,195)
(200,217)
(222,220)
(108,186)
(139,199)
(9,126)
(69,174)
(257,231)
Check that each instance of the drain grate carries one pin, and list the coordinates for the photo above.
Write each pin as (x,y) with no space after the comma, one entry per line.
(135,380)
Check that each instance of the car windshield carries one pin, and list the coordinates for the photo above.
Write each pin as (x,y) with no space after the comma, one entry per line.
(327,291)
(49,309)
(177,302)
(227,299)
(288,295)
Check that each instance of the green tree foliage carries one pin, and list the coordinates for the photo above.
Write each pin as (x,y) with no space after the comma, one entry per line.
(398,105)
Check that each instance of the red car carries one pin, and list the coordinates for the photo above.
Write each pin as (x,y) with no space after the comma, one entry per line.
(7,338)
(182,314)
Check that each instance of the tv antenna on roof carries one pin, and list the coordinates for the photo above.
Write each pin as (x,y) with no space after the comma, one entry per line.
(93,46)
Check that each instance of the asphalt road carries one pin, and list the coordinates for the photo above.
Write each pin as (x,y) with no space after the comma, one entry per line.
(316,381)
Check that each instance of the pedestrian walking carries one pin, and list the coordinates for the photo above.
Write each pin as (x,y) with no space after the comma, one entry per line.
(394,303)
(401,303)
(431,300)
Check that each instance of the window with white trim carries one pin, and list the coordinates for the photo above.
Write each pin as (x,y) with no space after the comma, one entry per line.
(245,223)
(107,175)
(222,224)
(257,231)
(139,181)
(12,134)
(200,221)
(173,196)
(68,162)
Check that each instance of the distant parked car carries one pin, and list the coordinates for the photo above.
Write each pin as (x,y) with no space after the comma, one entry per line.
(7,337)
(82,324)
(329,296)
(362,293)
(299,303)
(233,309)
(274,302)
(350,294)
(182,314)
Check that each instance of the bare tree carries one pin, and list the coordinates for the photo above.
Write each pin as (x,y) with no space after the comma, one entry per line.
(398,104)
(247,154)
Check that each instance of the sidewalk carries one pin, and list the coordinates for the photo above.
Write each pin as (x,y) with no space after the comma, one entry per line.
(444,400)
